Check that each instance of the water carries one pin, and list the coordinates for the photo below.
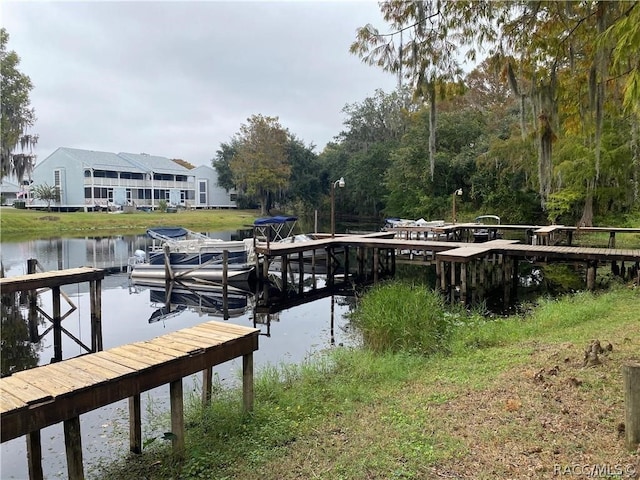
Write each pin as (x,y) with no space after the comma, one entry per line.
(289,336)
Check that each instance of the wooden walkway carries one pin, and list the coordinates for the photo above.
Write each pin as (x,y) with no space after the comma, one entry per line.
(33,399)
(491,265)
(544,235)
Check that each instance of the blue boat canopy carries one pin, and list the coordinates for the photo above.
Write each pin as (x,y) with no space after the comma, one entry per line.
(167,232)
(278,219)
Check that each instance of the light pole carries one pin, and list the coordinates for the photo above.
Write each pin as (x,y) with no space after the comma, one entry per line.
(458,192)
(339,183)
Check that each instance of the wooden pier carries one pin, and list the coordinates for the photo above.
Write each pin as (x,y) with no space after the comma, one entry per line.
(466,271)
(54,280)
(60,392)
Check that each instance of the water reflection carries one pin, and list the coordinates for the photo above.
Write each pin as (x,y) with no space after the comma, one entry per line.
(294,326)
(19,341)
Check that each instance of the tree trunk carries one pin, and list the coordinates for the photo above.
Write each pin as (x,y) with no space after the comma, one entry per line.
(432,127)
(587,212)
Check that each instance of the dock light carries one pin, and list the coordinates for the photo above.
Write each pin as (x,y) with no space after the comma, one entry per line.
(339,183)
(458,193)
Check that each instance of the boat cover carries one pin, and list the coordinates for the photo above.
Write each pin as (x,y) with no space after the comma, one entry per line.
(167,232)
(272,220)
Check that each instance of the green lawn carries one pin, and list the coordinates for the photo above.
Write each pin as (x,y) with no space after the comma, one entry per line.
(18,224)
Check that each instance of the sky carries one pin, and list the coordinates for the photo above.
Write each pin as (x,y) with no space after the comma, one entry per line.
(177,79)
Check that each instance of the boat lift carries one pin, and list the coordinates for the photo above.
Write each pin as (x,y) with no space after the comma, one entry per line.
(274,229)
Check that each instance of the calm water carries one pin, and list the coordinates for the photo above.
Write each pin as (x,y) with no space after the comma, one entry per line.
(133,313)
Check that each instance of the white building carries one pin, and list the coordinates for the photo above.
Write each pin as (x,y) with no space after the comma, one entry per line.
(92,180)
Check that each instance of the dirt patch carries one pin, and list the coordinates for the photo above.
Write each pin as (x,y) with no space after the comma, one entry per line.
(49,218)
(561,414)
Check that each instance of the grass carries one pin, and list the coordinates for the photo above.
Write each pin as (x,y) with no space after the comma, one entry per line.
(507,398)
(18,224)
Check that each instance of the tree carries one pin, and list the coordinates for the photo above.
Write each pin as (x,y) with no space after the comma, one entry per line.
(46,193)
(305,186)
(373,129)
(260,167)
(421,48)
(222,164)
(16,152)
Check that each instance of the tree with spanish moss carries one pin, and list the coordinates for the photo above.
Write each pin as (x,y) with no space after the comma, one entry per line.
(16,149)
(566,62)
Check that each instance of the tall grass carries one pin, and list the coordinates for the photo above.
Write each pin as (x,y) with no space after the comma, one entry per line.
(402,316)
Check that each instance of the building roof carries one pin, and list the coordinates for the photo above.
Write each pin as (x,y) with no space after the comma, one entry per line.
(99,160)
(154,163)
(9,187)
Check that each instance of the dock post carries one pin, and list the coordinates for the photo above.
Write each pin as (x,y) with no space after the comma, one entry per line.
(225,283)
(591,274)
(247,382)
(34,456)
(631,378)
(376,260)
(474,282)
(346,265)
(73,447)
(300,273)
(177,417)
(95,294)
(463,283)
(452,285)
(57,325)
(207,386)
(360,255)
(284,270)
(135,424)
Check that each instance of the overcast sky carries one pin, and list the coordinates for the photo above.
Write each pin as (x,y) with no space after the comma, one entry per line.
(178,78)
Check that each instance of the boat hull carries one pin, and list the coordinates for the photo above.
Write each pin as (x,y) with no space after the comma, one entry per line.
(210,273)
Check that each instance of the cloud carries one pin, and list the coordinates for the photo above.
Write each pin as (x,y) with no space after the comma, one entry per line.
(178,78)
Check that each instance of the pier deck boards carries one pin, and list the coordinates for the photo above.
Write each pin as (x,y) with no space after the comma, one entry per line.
(33,399)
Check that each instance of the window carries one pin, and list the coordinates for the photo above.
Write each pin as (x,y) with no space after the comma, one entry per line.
(202,192)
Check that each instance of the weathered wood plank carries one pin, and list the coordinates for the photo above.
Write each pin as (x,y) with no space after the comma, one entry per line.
(55,278)
(124,360)
(157,356)
(102,362)
(161,348)
(67,389)
(9,402)
(205,336)
(25,391)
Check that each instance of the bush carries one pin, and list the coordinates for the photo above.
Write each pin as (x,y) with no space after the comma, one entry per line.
(400,316)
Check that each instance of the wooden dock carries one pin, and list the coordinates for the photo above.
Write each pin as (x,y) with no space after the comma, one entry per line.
(466,271)
(54,280)
(60,392)
(534,234)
